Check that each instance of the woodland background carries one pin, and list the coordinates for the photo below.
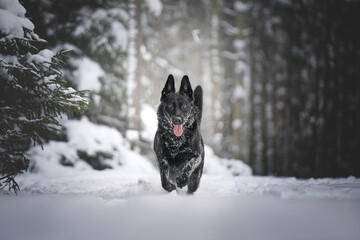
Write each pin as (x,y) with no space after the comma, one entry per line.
(281,78)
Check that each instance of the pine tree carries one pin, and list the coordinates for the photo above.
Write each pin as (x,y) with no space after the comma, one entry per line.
(32,92)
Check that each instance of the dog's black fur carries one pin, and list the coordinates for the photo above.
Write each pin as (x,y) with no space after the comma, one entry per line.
(180,158)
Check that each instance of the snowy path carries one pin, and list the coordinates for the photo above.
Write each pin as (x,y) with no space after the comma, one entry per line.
(111,184)
(107,205)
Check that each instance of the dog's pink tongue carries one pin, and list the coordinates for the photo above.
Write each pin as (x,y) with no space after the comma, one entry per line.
(178,131)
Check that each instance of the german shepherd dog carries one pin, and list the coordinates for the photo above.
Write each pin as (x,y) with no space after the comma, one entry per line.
(178,143)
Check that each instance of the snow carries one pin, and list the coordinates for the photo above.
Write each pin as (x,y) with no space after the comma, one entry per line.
(162,63)
(236,124)
(215,165)
(240,6)
(114,205)
(13,6)
(149,121)
(146,56)
(9,24)
(195,35)
(128,202)
(88,74)
(9,60)
(132,135)
(120,35)
(91,138)
(113,38)
(113,186)
(12,18)
(239,92)
(155,6)
(119,13)
(44,56)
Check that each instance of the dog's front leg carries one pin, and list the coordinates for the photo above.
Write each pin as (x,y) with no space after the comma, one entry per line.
(188,169)
(164,173)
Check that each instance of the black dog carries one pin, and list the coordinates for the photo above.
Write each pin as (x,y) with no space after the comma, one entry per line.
(178,143)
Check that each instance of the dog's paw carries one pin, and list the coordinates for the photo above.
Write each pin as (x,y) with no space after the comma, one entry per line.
(168,186)
(182,181)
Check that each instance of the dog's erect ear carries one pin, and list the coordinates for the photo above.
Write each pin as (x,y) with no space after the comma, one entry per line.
(185,87)
(169,86)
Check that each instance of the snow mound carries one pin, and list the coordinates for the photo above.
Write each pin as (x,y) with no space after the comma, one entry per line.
(92,146)
(90,137)
(89,141)
(215,165)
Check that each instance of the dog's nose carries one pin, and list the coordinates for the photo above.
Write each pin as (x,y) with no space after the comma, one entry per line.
(177,120)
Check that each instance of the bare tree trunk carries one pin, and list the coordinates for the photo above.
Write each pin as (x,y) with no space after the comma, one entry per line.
(138,73)
(134,86)
(241,72)
(228,34)
(215,66)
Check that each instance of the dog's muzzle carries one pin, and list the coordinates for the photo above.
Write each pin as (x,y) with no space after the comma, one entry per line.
(177,120)
(178,126)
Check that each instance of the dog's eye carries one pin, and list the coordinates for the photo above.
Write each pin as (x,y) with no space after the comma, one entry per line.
(183,106)
(170,106)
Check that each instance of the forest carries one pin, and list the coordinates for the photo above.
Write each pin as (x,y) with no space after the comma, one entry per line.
(80,85)
(280,78)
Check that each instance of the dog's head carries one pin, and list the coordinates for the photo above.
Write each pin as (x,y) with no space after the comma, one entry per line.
(176,110)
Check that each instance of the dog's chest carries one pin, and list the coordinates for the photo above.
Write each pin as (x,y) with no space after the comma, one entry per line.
(176,145)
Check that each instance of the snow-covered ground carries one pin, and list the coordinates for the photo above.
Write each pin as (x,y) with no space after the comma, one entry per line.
(128,202)
(112,205)
(113,186)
